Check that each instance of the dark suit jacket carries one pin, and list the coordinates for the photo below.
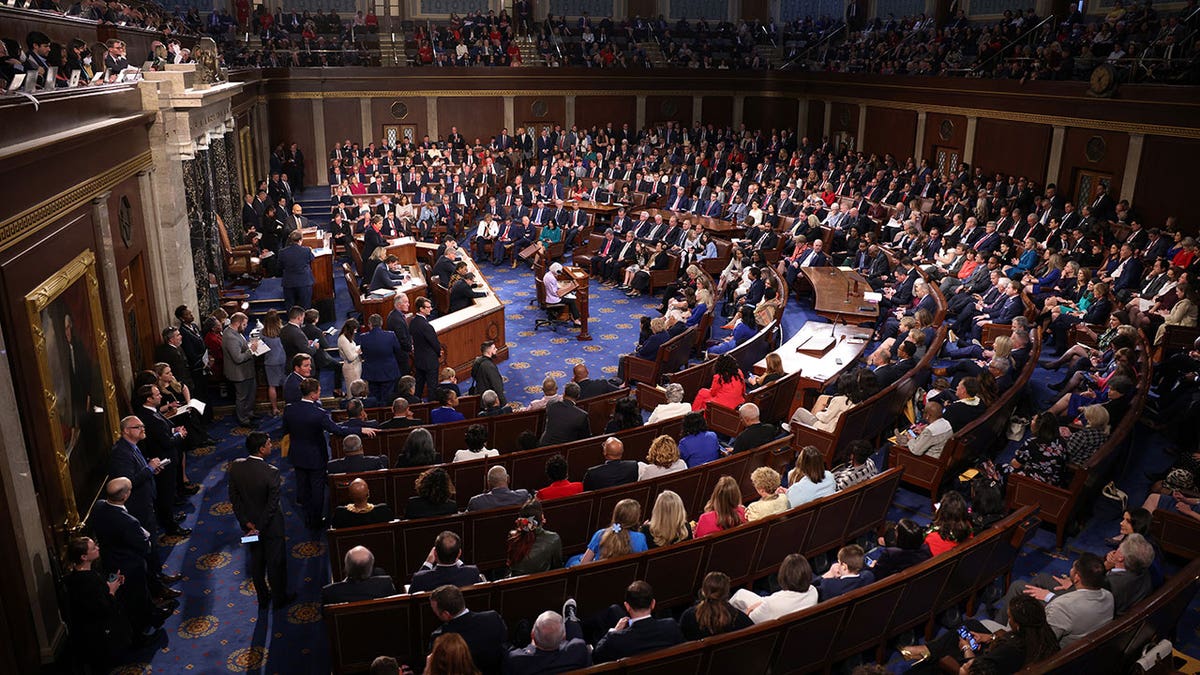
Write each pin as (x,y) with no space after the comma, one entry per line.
(291,388)
(649,349)
(594,387)
(1127,588)
(160,440)
(643,636)
(254,492)
(294,342)
(570,655)
(463,296)
(888,374)
(440,575)
(380,354)
(379,586)
(173,356)
(126,461)
(565,422)
(295,264)
(357,463)
(307,423)
(611,473)
(426,348)
(485,635)
(752,437)
(828,589)
(398,324)
(121,538)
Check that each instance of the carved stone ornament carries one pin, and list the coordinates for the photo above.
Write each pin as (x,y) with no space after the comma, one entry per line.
(208,64)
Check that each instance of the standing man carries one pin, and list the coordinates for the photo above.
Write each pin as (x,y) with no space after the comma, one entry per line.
(397,322)
(254,492)
(196,353)
(127,461)
(295,265)
(239,367)
(307,423)
(485,373)
(427,351)
(162,441)
(380,355)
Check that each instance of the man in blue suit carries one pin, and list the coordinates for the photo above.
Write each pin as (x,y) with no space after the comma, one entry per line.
(295,264)
(381,355)
(1008,309)
(846,575)
(307,423)
(126,461)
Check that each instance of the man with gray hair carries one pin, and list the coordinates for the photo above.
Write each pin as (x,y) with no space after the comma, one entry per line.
(353,460)
(557,647)
(755,432)
(401,416)
(489,405)
(363,580)
(498,493)
(674,407)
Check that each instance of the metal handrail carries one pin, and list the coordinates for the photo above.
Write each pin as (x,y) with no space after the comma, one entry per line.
(1014,41)
(825,38)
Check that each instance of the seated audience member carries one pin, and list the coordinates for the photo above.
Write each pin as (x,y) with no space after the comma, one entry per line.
(531,547)
(1072,615)
(774,371)
(903,545)
(565,421)
(363,580)
(498,493)
(556,646)
(648,348)
(406,388)
(640,631)
(1083,443)
(560,485)
(356,416)
(845,575)
(766,482)
(401,416)
(810,479)
(614,470)
(451,654)
(1042,457)
(360,390)
(745,329)
(951,524)
(929,436)
(444,565)
(857,465)
(360,510)
(795,593)
(489,405)
(618,539)
(668,522)
(445,412)
(967,407)
(1029,639)
(755,432)
(712,614)
(483,634)
(728,386)
(100,629)
(475,436)
(827,410)
(626,415)
(588,387)
(698,445)
(418,450)
(674,407)
(448,379)
(1126,577)
(724,508)
(353,460)
(435,495)
(549,394)
(890,373)
(662,458)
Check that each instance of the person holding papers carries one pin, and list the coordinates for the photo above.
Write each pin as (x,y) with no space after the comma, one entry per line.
(564,293)
(387,276)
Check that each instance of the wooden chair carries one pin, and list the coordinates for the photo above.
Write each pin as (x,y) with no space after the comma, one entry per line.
(671,354)
(661,278)
(239,260)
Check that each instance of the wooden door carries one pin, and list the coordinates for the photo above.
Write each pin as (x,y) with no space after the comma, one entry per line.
(946,160)
(756,9)
(1089,185)
(647,9)
(139,323)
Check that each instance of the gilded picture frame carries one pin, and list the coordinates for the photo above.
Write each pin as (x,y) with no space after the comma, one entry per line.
(75,375)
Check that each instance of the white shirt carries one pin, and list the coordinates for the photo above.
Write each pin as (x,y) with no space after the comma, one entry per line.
(467,455)
(666,411)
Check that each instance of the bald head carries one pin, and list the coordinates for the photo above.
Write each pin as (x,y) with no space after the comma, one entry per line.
(117,490)
(579,373)
(549,631)
(613,448)
(359,492)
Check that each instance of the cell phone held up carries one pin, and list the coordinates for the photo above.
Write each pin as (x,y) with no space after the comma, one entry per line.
(966,635)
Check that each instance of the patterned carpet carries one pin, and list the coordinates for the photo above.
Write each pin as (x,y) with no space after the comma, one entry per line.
(218,628)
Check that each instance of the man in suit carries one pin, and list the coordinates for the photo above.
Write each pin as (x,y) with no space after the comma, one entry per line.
(363,580)
(614,470)
(171,353)
(565,421)
(484,632)
(162,441)
(755,432)
(622,255)
(295,265)
(308,423)
(639,632)
(301,371)
(126,461)
(238,367)
(556,646)
(498,493)
(485,374)
(846,575)
(381,355)
(387,276)
(401,416)
(427,350)
(397,323)
(589,387)
(445,566)
(353,460)
(292,335)
(893,371)
(254,488)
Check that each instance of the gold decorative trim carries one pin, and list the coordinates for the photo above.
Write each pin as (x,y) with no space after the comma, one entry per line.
(16,228)
(82,267)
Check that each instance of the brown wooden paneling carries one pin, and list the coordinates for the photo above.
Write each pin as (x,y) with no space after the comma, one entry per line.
(843,118)
(756,9)
(816,121)
(343,119)
(760,112)
(997,149)
(479,116)
(956,138)
(523,111)
(717,111)
(381,114)
(890,131)
(292,122)
(600,110)
(1161,187)
(1109,153)
(669,109)
(644,8)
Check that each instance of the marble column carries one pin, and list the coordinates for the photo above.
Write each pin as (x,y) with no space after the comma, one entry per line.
(164,273)
(969,148)
(110,288)
(828,121)
(233,222)
(1056,151)
(862,127)
(319,141)
(739,108)
(510,115)
(431,117)
(1133,164)
(193,187)
(640,115)
(570,111)
(801,117)
(919,148)
(219,174)
(697,108)
(368,129)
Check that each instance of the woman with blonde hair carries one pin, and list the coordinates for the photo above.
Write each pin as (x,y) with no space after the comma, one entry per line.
(774,371)
(724,508)
(661,459)
(766,482)
(450,656)
(275,362)
(668,522)
(810,479)
(620,538)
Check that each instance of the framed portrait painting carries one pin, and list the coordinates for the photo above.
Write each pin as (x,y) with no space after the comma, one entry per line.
(78,394)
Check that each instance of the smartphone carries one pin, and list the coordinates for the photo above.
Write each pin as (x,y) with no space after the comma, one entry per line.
(966,635)
(250,539)
(112,578)
(164,462)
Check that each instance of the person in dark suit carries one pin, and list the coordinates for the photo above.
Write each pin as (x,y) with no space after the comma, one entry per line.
(353,460)
(363,580)
(484,632)
(463,293)
(397,322)
(498,493)
(588,387)
(755,432)
(846,575)
(126,546)
(427,350)
(614,470)
(381,355)
(565,421)
(360,510)
(301,371)
(444,566)
(887,374)
(126,461)
(443,269)
(307,423)
(401,416)
(163,441)
(556,646)
(254,486)
(639,632)
(171,353)
(295,266)
(387,276)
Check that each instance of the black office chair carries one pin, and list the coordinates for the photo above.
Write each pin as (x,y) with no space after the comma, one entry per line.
(554,310)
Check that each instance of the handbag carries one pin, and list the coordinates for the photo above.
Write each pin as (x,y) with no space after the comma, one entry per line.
(1111,491)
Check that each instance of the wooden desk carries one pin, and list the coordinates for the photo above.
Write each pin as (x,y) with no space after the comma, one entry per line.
(818,369)
(600,210)
(404,248)
(463,331)
(322,271)
(715,226)
(839,294)
(372,304)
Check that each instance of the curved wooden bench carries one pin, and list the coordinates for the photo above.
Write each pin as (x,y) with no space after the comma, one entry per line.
(1062,506)
(774,403)
(700,375)
(467,405)
(981,437)
(400,625)
(671,356)
(1176,533)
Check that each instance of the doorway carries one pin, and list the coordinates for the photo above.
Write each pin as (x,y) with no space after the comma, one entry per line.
(1089,185)
(945,160)
(135,305)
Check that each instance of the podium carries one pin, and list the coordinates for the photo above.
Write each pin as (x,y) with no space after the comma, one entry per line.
(577,276)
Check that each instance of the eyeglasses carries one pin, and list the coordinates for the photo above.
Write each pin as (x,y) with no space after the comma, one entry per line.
(136,426)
